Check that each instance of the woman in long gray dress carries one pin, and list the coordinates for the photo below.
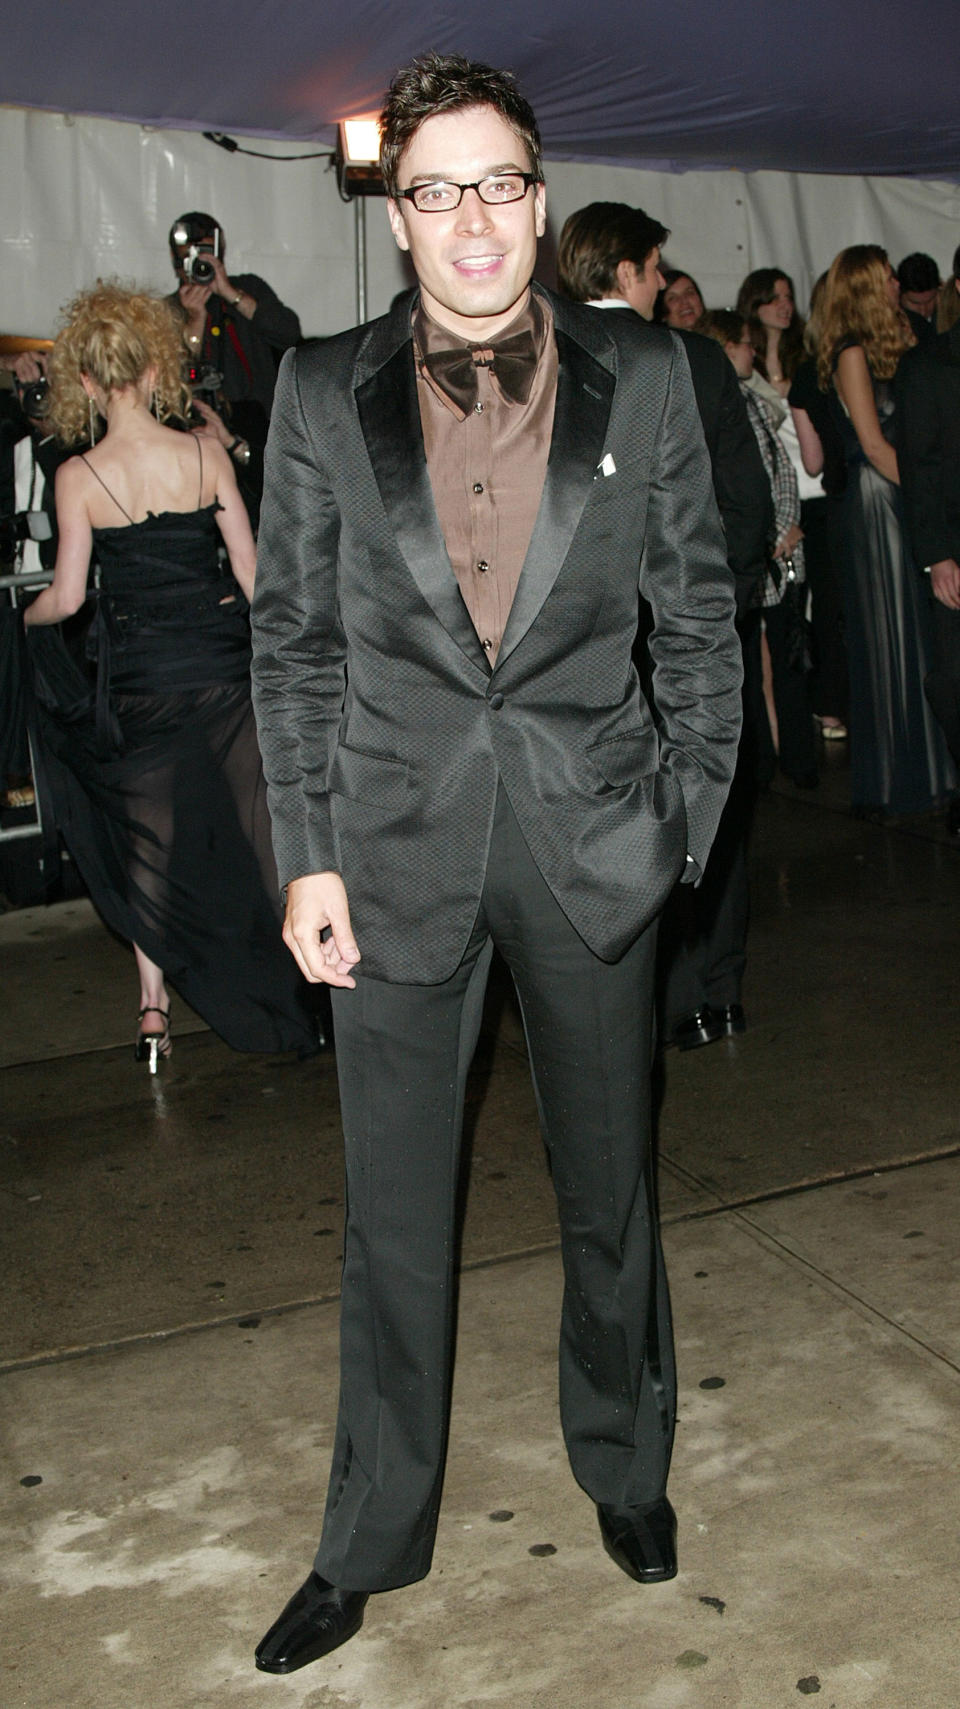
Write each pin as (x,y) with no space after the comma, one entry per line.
(898,761)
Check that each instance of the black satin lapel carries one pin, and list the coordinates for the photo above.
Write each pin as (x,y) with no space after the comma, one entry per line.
(584,396)
(390,420)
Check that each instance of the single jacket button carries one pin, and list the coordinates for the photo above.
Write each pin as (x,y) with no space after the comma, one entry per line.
(496,701)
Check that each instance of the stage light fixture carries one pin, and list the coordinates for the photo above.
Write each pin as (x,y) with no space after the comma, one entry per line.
(357,158)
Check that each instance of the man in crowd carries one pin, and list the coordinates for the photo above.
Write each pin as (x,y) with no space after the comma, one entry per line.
(29,459)
(238,325)
(928,457)
(462,501)
(919,279)
(609,258)
(235,330)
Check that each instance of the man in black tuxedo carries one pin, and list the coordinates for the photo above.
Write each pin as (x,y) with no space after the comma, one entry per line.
(463,499)
(609,258)
(928,456)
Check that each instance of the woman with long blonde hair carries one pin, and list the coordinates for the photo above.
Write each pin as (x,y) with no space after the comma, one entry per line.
(898,760)
(155,773)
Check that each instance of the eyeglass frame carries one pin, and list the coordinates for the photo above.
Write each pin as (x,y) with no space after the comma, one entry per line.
(411,194)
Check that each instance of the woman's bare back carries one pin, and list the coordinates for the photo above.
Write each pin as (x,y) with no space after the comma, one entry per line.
(146,470)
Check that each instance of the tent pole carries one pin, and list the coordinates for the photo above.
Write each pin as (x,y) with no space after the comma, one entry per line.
(360,230)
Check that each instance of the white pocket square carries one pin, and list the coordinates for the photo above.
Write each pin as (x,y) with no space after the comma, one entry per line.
(607,467)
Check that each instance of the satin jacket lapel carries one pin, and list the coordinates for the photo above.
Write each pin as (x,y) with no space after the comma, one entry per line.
(585,390)
(390,421)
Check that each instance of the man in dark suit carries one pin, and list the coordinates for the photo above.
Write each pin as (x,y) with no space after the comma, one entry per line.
(928,456)
(919,279)
(463,500)
(609,258)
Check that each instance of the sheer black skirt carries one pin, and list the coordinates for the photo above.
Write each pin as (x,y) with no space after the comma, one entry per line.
(170,832)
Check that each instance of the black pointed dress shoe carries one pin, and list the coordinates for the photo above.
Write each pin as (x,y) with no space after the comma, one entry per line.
(317,1619)
(702,1027)
(642,1541)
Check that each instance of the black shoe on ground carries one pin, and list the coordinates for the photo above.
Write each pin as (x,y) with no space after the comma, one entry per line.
(642,1541)
(317,1619)
(702,1027)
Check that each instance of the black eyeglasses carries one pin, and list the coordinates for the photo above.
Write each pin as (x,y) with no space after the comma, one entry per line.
(440,197)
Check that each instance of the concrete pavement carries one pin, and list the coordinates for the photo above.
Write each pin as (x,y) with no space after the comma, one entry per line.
(169,1261)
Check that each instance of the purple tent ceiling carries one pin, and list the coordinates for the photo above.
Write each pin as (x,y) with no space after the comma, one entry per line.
(847,86)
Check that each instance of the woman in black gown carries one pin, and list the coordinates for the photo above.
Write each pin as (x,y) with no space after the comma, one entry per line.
(898,758)
(155,775)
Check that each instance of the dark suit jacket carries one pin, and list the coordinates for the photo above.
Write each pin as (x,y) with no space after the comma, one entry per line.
(384,732)
(739,478)
(927,392)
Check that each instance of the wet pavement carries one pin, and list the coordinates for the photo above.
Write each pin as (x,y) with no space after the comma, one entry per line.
(169,1254)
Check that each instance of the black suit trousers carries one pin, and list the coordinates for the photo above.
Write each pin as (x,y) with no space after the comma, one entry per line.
(403,1052)
(942,683)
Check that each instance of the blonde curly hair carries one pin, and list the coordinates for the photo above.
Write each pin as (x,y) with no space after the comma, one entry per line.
(858,309)
(113,333)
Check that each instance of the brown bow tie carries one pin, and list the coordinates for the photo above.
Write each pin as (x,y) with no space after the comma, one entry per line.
(513,362)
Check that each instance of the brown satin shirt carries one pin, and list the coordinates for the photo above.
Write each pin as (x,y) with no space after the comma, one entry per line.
(487,468)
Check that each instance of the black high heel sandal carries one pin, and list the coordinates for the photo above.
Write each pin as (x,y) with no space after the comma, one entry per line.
(150,1047)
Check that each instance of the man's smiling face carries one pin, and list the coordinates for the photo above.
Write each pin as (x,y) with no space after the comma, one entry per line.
(474,263)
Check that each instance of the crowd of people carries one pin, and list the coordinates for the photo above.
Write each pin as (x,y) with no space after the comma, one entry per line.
(834,607)
(830,444)
(849,394)
(839,633)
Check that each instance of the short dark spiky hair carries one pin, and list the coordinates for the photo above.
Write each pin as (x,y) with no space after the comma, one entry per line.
(596,239)
(197,226)
(445,83)
(918,272)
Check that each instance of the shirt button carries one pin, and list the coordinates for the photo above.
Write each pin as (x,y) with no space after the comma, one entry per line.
(486,645)
(478,486)
(478,409)
(482,565)
(496,701)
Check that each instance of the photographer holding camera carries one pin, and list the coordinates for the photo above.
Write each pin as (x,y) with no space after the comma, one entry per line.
(235,331)
(29,459)
(238,326)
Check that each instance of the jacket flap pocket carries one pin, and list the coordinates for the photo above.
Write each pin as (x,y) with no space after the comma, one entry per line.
(378,779)
(622,759)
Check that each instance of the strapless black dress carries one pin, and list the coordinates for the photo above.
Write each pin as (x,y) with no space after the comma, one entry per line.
(156,779)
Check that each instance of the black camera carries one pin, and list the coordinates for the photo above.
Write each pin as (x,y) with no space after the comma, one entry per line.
(189,233)
(16,529)
(33,398)
(205,381)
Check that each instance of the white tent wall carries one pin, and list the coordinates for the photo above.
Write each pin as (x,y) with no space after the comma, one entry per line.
(81,197)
